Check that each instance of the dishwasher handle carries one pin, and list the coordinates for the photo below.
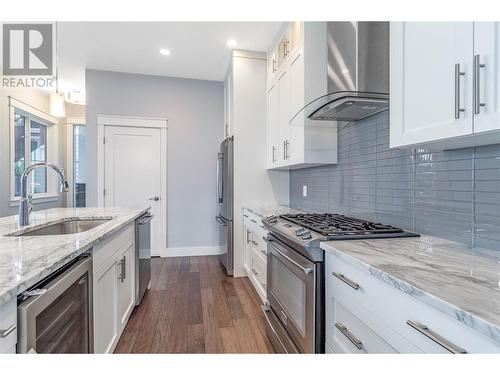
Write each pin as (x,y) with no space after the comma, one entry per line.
(145,219)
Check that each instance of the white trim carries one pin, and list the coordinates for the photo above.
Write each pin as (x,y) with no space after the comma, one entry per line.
(134,121)
(78,120)
(138,122)
(191,251)
(52,152)
(13,102)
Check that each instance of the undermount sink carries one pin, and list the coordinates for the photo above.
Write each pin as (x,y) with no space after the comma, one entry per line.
(65,226)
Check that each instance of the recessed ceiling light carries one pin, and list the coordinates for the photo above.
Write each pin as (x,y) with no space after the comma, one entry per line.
(231,43)
(165,51)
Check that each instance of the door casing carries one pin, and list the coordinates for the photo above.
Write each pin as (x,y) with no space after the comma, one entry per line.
(137,122)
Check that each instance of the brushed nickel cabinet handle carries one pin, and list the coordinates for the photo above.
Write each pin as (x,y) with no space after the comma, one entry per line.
(253,221)
(477,84)
(6,332)
(440,340)
(458,108)
(349,282)
(264,252)
(355,341)
(274,154)
(274,65)
(123,274)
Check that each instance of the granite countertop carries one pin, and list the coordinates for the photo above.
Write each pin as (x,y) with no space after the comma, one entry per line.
(26,260)
(460,281)
(264,210)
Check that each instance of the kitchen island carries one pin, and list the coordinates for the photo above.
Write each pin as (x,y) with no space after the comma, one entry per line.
(26,260)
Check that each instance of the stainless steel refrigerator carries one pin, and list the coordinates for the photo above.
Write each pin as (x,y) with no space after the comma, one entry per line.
(225,203)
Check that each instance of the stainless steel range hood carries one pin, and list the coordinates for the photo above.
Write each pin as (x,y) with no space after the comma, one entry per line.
(358,73)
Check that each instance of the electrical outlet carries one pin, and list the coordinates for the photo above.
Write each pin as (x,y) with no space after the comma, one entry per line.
(304,190)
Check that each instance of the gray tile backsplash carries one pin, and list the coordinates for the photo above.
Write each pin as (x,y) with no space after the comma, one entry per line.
(451,194)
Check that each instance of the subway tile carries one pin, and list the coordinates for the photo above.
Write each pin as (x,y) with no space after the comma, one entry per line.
(452,194)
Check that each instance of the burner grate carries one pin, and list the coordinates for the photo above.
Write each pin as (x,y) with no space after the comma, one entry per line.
(331,225)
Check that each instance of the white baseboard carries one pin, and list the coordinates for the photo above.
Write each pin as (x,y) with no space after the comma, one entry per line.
(190,251)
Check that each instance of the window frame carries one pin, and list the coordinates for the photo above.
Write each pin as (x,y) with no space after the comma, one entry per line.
(52,149)
(70,127)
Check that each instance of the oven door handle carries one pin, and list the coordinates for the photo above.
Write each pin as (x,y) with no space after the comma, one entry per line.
(307,270)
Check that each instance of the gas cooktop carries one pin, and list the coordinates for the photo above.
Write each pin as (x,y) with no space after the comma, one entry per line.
(304,232)
(334,226)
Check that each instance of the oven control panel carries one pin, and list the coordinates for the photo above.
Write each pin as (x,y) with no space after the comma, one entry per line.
(290,230)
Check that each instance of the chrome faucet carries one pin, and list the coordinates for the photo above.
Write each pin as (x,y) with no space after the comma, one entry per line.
(25,200)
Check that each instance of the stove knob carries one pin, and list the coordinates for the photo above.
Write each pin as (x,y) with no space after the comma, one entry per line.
(300,231)
(272,219)
(306,235)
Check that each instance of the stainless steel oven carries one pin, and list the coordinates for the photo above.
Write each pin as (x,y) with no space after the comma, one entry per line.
(294,311)
(54,316)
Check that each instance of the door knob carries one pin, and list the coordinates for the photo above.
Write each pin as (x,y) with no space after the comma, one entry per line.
(156,199)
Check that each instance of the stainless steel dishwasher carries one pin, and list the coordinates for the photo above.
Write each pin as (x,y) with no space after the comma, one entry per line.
(55,315)
(142,255)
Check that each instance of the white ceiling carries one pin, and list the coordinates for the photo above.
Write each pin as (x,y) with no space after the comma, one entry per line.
(198,49)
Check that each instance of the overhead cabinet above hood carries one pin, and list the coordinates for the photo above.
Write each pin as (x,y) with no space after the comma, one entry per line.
(358,73)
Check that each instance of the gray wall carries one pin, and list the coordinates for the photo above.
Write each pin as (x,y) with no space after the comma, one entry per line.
(195,114)
(452,194)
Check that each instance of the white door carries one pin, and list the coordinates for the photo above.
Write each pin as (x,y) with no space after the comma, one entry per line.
(487,69)
(132,174)
(273,125)
(424,81)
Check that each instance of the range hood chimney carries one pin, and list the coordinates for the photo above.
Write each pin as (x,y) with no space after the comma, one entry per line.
(358,73)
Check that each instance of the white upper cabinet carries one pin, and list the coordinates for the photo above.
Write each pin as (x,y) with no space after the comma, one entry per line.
(297,74)
(487,69)
(444,82)
(273,135)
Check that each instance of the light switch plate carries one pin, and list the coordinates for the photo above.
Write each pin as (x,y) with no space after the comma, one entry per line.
(304,190)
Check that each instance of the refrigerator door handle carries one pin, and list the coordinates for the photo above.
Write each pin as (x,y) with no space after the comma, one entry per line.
(219,180)
(220,221)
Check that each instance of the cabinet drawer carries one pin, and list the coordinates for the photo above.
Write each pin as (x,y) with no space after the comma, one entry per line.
(8,321)
(251,220)
(357,287)
(259,269)
(259,246)
(346,333)
(107,248)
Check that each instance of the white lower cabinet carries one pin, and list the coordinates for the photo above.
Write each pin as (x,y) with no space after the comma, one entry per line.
(255,252)
(125,285)
(114,288)
(365,315)
(8,326)
(105,308)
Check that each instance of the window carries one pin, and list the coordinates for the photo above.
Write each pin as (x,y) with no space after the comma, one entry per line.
(30,146)
(79,166)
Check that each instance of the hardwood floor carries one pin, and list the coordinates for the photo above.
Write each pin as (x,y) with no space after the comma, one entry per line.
(193,307)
